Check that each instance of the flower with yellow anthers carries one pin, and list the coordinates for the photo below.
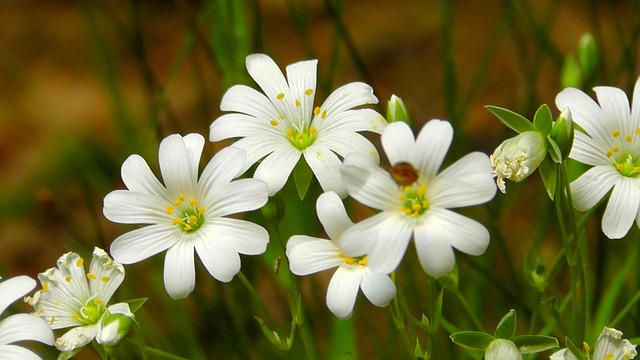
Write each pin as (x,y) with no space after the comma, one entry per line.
(610,346)
(282,123)
(418,205)
(189,213)
(20,327)
(72,298)
(308,255)
(611,144)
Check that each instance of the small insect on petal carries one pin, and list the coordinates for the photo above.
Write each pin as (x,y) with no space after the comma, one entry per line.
(403,174)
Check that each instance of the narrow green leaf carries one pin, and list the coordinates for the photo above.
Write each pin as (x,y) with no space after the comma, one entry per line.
(437,312)
(554,151)
(579,353)
(559,320)
(547,171)
(473,340)
(543,119)
(529,344)
(514,121)
(135,304)
(507,326)
(302,175)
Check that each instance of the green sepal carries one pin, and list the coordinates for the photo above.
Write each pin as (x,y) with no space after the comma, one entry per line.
(302,176)
(424,323)
(437,312)
(449,280)
(418,353)
(136,304)
(543,120)
(512,120)
(64,355)
(472,340)
(274,337)
(554,150)
(529,344)
(548,175)
(507,326)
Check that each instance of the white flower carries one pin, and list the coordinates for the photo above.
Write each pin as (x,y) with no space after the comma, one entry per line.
(72,298)
(282,124)
(518,157)
(502,349)
(308,255)
(187,213)
(611,144)
(20,327)
(564,354)
(611,346)
(417,199)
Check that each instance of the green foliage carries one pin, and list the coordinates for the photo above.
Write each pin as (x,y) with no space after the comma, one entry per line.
(511,119)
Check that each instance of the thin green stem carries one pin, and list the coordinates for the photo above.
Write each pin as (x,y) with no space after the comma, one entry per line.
(630,305)
(467,308)
(257,298)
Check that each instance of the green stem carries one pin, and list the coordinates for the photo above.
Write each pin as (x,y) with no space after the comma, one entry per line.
(630,305)
(467,308)
(257,298)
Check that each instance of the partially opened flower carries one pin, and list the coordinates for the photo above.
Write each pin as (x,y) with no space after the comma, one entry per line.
(188,213)
(518,157)
(71,298)
(502,349)
(20,327)
(308,255)
(282,124)
(611,144)
(610,346)
(414,200)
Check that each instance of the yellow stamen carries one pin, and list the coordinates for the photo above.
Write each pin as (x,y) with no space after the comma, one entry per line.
(76,316)
(324,114)
(53,318)
(316,111)
(193,219)
(308,92)
(90,276)
(628,138)
(176,221)
(97,301)
(45,287)
(67,278)
(280,96)
(638,131)
(289,133)
(79,262)
(609,153)
(297,103)
(201,210)
(616,149)
(105,279)
(312,131)
(273,123)
(193,202)
(616,133)
(187,227)
(281,116)
(170,209)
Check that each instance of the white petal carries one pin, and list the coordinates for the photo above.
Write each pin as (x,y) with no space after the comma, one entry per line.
(343,289)
(350,121)
(345,143)
(259,146)
(128,207)
(223,167)
(276,168)
(108,275)
(237,196)
(308,255)
(246,100)
(369,184)
(120,308)
(301,77)
(179,270)
(219,257)
(13,289)
(326,167)
(615,106)
(635,103)
(435,254)
(590,151)
(622,208)
(502,349)
(431,147)
(398,142)
(240,125)
(20,327)
(178,173)
(138,177)
(584,111)
(347,97)
(383,238)
(467,182)
(332,215)
(13,352)
(241,236)
(592,186)
(461,232)
(267,75)
(378,288)
(142,243)
(76,338)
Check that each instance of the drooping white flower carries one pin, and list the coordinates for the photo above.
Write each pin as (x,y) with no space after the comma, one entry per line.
(20,327)
(281,124)
(308,255)
(502,349)
(610,346)
(71,298)
(415,200)
(611,144)
(518,157)
(187,212)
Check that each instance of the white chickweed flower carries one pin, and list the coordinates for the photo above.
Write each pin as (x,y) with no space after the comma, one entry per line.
(518,157)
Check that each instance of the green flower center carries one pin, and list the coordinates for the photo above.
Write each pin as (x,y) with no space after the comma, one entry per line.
(301,139)
(628,166)
(355,260)
(413,199)
(91,312)
(190,216)
(624,162)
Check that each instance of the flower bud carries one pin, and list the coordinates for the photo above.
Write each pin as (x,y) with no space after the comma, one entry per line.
(114,328)
(516,158)
(500,349)
(396,111)
(562,133)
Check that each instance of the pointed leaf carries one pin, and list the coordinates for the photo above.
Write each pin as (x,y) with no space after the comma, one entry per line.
(302,175)
(507,326)
(135,304)
(554,151)
(547,171)
(514,121)
(529,344)
(437,312)
(543,119)
(473,340)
